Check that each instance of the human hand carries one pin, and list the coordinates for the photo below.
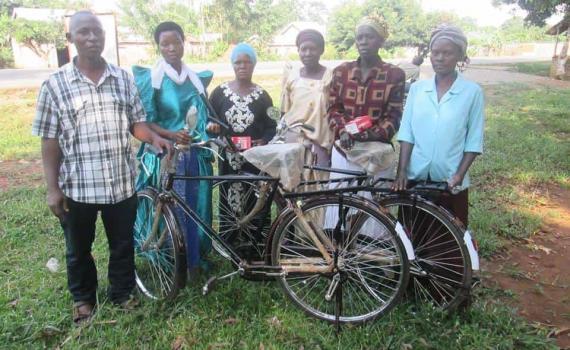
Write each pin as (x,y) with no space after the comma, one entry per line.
(57,203)
(346,141)
(181,137)
(258,142)
(454,182)
(163,145)
(213,128)
(369,136)
(400,183)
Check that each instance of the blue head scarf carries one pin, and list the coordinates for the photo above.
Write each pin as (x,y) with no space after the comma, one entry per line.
(243,48)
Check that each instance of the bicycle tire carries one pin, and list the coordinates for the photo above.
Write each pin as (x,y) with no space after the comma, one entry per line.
(226,214)
(439,249)
(368,289)
(160,271)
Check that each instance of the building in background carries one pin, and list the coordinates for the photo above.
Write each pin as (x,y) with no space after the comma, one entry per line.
(283,43)
(25,57)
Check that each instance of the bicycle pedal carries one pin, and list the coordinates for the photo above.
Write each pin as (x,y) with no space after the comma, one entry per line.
(209,285)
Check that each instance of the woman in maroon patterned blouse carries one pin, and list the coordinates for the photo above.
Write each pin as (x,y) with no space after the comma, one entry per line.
(366,87)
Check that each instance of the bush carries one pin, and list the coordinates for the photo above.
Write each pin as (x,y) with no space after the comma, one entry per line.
(331,53)
(218,50)
(6,58)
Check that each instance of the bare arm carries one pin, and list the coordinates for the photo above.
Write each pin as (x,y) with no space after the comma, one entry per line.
(402,175)
(181,136)
(51,157)
(144,133)
(466,161)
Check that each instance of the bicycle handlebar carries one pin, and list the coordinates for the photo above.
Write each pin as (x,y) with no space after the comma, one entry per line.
(426,186)
(212,115)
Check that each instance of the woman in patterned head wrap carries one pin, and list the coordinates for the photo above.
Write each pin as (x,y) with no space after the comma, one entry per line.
(242,105)
(366,87)
(442,128)
(304,95)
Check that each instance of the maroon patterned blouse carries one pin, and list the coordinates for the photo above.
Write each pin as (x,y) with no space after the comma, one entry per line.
(379,95)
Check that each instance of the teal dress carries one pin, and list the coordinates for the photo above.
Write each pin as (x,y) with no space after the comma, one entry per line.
(167,107)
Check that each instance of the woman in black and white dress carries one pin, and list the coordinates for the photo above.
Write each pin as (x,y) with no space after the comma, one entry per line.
(242,105)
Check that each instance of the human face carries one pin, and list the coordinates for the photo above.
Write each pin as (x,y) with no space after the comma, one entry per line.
(368,42)
(444,56)
(88,36)
(171,47)
(310,53)
(243,67)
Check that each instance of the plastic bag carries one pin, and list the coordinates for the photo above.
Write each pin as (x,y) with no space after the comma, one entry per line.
(373,157)
(283,161)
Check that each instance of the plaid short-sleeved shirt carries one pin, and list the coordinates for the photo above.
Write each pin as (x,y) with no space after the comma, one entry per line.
(379,95)
(92,123)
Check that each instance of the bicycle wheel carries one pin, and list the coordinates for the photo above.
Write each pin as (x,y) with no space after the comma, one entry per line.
(370,263)
(232,202)
(441,273)
(160,263)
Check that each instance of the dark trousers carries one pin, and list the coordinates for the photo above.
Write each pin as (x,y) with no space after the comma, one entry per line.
(457,204)
(79,231)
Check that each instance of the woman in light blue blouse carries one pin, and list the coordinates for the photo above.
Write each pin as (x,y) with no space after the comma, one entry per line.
(442,127)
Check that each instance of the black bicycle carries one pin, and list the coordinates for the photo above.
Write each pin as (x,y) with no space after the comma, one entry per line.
(335,255)
(445,263)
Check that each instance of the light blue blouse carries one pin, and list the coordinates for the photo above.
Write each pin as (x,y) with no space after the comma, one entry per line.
(442,131)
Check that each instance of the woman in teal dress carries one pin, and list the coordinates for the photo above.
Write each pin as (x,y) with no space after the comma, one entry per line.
(168,91)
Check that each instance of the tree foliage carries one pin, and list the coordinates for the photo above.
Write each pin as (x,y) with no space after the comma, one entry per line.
(539,10)
(142,16)
(515,30)
(408,24)
(39,36)
(240,20)
(312,11)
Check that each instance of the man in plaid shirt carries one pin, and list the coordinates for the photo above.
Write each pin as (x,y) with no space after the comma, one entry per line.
(85,113)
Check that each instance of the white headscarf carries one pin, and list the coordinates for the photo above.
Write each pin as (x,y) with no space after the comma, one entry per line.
(162,67)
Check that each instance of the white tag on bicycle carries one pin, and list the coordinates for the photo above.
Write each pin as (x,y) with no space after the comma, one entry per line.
(406,241)
(351,128)
(472,251)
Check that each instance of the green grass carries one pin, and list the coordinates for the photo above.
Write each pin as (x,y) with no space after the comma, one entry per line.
(526,146)
(534,68)
(35,308)
(17,110)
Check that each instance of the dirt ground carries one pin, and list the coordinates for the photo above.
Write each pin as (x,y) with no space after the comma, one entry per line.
(536,270)
(18,173)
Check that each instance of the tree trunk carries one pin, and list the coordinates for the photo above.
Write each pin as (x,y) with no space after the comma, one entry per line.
(564,50)
(563,58)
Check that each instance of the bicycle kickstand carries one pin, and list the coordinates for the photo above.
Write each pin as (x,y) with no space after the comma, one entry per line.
(214,279)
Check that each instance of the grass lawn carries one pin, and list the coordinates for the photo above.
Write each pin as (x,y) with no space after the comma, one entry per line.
(535,68)
(527,145)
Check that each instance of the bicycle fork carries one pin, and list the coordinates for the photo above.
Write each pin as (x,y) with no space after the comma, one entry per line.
(154,229)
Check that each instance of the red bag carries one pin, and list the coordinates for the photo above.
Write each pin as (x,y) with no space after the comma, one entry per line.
(358,125)
(242,142)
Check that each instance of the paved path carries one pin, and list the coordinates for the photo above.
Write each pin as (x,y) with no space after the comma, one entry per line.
(483,70)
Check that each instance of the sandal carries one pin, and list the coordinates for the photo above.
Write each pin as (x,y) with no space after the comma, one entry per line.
(82,312)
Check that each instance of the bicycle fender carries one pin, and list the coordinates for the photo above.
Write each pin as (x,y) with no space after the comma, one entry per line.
(406,241)
(472,251)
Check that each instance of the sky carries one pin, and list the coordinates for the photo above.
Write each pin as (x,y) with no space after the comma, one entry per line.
(482,10)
